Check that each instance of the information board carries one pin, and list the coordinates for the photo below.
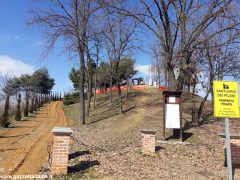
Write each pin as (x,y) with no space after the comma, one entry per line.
(226,99)
(172,116)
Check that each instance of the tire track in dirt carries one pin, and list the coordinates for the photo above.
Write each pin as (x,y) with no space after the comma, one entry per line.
(26,147)
(15,134)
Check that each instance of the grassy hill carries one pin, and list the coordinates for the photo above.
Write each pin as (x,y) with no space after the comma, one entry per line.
(109,144)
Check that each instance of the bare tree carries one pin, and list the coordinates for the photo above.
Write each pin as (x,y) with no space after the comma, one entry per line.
(197,18)
(98,47)
(178,25)
(219,58)
(157,62)
(69,21)
(89,75)
(119,35)
(93,48)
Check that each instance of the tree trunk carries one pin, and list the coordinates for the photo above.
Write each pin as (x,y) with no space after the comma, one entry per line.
(212,93)
(81,88)
(18,112)
(127,88)
(39,101)
(105,86)
(95,80)
(182,16)
(35,103)
(159,77)
(194,117)
(41,97)
(89,93)
(95,88)
(120,97)
(111,94)
(32,105)
(189,88)
(211,73)
(172,81)
(200,109)
(26,104)
(166,77)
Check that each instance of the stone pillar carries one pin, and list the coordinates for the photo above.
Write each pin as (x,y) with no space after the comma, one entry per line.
(60,150)
(148,140)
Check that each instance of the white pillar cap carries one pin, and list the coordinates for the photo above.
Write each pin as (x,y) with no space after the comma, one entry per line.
(62,130)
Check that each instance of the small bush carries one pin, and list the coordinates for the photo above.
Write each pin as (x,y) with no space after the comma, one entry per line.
(71,98)
(4,121)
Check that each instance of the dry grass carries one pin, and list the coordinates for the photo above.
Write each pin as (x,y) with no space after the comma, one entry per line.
(119,135)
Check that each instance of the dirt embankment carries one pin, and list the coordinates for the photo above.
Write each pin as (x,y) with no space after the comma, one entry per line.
(23,149)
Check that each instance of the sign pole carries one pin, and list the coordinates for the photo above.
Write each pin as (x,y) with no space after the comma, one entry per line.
(228,145)
(226,105)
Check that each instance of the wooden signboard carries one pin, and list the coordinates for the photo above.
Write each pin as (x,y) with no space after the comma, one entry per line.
(172,112)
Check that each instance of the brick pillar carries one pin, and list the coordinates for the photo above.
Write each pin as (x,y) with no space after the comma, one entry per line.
(60,150)
(235,151)
(148,140)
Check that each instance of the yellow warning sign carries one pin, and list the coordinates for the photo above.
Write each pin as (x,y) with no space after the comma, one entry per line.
(226,99)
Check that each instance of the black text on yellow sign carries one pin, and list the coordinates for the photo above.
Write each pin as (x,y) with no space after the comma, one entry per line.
(226,99)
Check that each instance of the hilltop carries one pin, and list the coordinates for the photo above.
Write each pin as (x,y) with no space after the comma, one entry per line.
(109,145)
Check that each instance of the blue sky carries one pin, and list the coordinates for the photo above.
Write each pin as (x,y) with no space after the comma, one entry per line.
(21,47)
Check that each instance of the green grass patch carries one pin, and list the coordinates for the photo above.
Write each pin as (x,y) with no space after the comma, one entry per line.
(102,110)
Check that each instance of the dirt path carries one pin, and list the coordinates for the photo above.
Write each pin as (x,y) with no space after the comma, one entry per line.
(23,149)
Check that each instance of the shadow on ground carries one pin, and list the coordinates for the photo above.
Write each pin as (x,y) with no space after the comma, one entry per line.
(158,148)
(82,165)
(2,136)
(175,136)
(78,154)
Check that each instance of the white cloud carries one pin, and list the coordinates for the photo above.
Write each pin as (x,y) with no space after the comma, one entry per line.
(13,67)
(142,69)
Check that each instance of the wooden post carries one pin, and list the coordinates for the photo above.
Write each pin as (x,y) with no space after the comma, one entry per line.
(181,124)
(164,120)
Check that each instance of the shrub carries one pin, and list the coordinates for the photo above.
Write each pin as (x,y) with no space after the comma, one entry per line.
(71,98)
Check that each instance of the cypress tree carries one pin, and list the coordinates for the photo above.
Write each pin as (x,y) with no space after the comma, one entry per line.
(32,105)
(18,116)
(35,103)
(5,122)
(39,101)
(26,104)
